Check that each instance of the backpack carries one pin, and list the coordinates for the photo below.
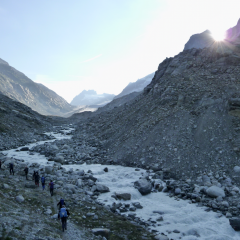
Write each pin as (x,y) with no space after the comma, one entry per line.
(43,179)
(63,213)
(51,185)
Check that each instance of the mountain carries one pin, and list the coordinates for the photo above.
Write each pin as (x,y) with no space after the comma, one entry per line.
(91,97)
(186,121)
(16,85)
(205,39)
(137,86)
(200,40)
(233,34)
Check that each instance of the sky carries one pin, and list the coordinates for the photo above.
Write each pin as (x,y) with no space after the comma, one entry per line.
(75,45)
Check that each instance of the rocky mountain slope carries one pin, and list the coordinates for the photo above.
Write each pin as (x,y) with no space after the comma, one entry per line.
(20,125)
(186,121)
(91,97)
(16,85)
(137,86)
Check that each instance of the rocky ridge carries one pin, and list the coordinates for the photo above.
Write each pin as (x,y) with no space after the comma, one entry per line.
(137,86)
(17,86)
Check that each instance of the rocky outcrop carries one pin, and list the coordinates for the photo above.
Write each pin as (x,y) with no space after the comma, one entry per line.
(200,40)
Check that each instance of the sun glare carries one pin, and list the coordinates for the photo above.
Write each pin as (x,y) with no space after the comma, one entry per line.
(218,35)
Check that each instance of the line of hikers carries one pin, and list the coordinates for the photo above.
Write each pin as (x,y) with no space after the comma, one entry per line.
(35,177)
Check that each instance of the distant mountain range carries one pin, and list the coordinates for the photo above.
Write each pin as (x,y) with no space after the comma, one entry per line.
(91,97)
(137,86)
(17,86)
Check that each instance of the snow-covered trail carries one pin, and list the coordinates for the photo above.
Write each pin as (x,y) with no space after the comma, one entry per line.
(192,222)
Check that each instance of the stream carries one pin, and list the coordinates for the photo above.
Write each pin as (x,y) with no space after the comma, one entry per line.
(178,219)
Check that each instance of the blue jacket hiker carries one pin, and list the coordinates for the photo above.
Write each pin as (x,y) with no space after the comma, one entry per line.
(61,203)
(63,214)
(43,182)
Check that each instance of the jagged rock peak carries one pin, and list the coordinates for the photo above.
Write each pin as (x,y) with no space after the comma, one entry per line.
(200,40)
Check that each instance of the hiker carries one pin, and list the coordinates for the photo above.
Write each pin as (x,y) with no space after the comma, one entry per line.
(33,177)
(26,172)
(37,179)
(51,185)
(11,168)
(63,214)
(43,182)
(0,164)
(61,203)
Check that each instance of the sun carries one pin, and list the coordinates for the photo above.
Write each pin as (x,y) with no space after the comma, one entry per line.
(218,35)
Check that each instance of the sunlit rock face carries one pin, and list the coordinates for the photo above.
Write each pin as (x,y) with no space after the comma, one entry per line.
(200,40)
(233,34)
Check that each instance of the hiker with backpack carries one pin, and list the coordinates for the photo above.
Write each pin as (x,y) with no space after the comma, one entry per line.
(34,173)
(11,168)
(43,182)
(63,214)
(51,186)
(61,203)
(26,172)
(37,179)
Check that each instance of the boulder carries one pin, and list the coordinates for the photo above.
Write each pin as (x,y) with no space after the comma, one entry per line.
(177,191)
(19,198)
(101,232)
(79,182)
(215,192)
(48,211)
(143,186)
(59,159)
(102,188)
(161,237)
(24,149)
(55,216)
(235,223)
(236,169)
(123,196)
(48,169)
(70,187)
(6,186)
(137,205)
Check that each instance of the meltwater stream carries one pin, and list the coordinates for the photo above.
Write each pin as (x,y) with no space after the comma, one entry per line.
(192,222)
